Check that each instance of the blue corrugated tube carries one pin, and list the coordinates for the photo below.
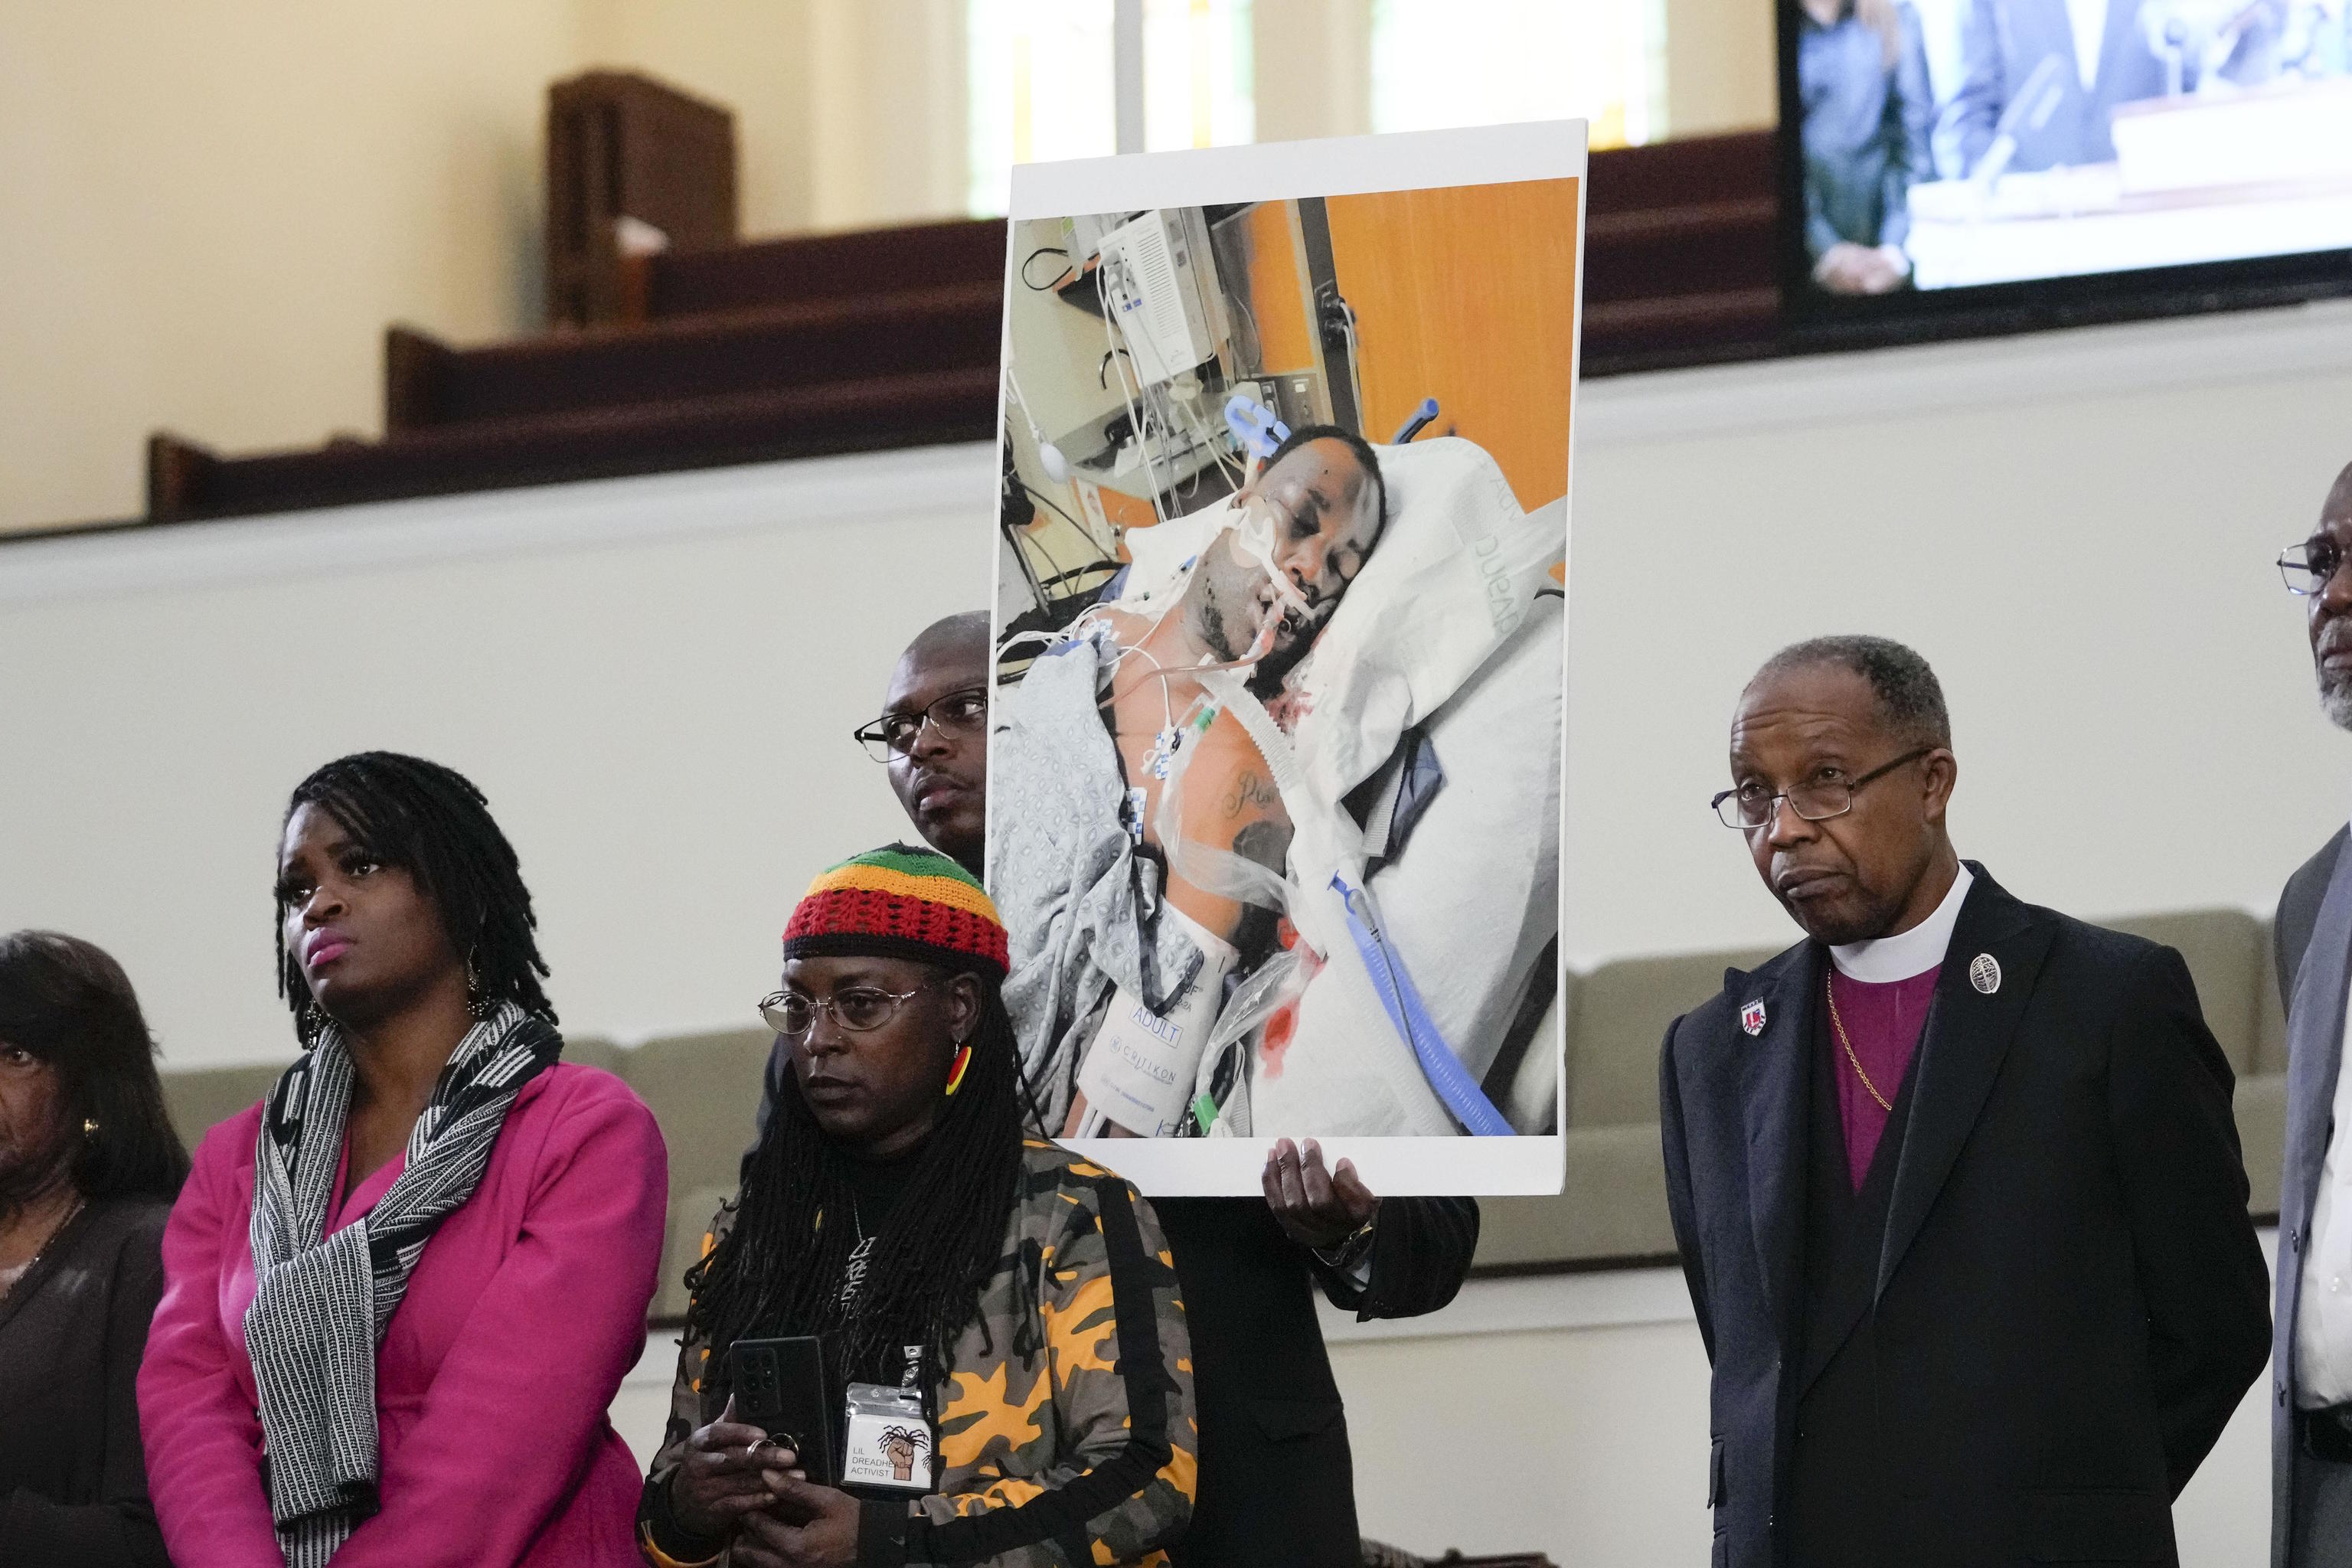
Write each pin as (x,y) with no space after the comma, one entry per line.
(1413,427)
(1455,1086)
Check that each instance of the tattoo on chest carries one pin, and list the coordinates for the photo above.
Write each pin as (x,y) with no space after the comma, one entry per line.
(1251,793)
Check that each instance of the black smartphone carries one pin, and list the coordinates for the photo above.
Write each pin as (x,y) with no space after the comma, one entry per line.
(785,1388)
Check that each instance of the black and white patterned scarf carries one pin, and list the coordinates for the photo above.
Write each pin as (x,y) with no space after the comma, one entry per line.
(324,1301)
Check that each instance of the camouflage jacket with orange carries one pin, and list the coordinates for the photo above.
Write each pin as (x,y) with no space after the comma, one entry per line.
(1065,1429)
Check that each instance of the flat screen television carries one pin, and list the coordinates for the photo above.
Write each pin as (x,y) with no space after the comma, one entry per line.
(1983,164)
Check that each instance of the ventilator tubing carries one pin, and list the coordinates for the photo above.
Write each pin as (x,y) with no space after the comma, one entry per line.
(1140,1069)
(1252,525)
(1455,1088)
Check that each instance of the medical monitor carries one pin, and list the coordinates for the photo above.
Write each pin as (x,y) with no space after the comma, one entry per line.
(2016,161)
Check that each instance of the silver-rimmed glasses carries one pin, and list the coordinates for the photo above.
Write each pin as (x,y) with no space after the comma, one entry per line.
(2307,568)
(1750,806)
(857,1008)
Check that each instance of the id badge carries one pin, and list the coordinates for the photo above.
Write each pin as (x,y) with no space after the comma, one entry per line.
(888,1443)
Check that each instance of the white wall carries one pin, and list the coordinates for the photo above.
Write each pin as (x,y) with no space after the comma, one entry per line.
(654,678)
(2077,529)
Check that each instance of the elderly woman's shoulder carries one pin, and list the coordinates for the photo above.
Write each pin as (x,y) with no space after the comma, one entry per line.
(129,1230)
(130,1217)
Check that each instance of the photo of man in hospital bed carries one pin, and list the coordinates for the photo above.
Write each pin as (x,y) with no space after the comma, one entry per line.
(1276,746)
(1254,906)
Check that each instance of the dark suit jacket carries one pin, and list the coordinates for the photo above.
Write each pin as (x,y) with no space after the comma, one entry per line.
(1276,1485)
(73,1479)
(2298,910)
(2000,43)
(2069,1298)
(2313,941)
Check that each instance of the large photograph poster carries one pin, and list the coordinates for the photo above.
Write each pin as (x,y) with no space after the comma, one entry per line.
(1276,746)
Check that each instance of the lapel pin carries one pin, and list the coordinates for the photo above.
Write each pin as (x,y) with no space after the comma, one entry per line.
(1751,1017)
(1984,973)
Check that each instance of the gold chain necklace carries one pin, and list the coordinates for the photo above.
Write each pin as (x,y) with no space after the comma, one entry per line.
(1839,1025)
(43,1251)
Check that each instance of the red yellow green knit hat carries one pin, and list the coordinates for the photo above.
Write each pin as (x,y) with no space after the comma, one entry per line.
(898,902)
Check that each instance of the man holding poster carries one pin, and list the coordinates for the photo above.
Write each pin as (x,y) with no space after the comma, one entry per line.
(1277,1481)
(1954,1181)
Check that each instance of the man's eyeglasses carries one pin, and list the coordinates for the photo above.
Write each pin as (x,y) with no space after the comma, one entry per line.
(1750,805)
(895,734)
(857,1008)
(2310,566)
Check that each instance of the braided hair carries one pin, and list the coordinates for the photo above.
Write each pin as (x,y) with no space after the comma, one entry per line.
(779,1270)
(433,824)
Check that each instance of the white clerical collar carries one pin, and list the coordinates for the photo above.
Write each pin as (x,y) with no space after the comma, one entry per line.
(1914,952)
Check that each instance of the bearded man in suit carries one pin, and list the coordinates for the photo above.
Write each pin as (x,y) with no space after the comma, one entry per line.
(2311,1346)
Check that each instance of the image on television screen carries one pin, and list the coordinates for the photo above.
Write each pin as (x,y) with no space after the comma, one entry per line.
(1956,143)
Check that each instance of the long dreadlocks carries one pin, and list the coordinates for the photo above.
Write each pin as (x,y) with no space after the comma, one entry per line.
(433,823)
(779,1270)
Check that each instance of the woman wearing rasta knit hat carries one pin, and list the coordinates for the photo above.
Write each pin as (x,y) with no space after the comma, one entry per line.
(893,1207)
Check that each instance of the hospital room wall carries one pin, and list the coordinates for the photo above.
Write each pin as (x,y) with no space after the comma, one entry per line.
(1467,294)
(654,678)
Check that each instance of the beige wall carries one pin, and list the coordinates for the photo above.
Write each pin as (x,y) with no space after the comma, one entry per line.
(210,209)
(1314,66)
(848,114)
(1719,66)
(752,55)
(886,135)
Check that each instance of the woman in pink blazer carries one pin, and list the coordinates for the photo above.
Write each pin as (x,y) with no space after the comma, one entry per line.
(400,1293)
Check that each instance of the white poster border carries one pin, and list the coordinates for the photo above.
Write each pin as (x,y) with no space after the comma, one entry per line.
(1281,171)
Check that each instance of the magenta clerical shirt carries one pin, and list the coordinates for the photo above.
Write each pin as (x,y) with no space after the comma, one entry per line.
(1883,1021)
(1883,988)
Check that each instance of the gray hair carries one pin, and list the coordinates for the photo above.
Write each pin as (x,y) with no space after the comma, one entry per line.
(1908,693)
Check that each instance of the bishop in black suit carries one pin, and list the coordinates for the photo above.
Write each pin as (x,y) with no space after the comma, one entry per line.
(1998,1308)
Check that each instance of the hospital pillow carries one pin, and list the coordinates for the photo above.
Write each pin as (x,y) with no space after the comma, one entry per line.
(1451,577)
